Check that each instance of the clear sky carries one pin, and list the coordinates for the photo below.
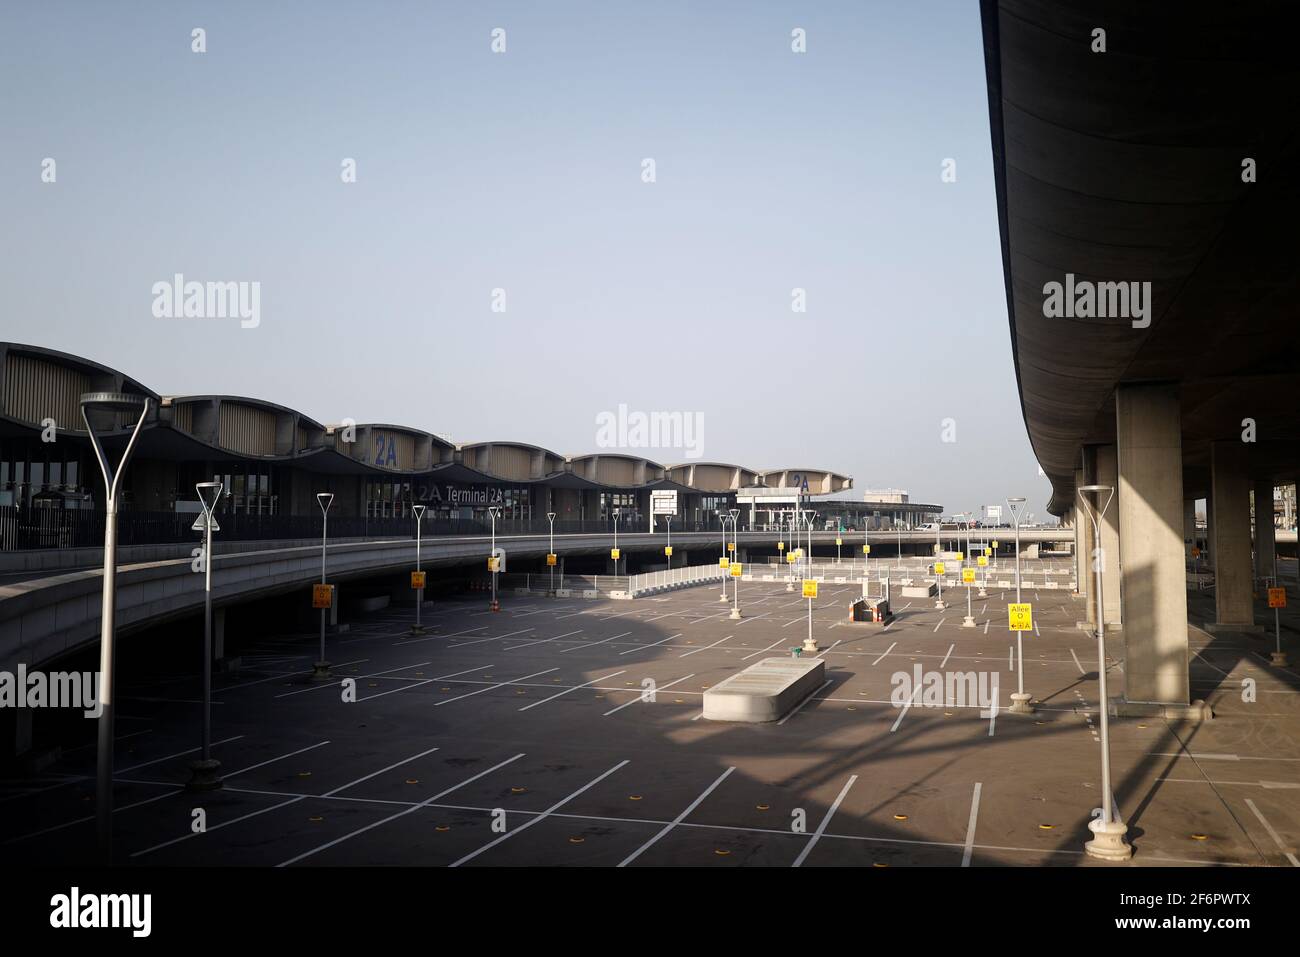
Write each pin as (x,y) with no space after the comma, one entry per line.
(523,171)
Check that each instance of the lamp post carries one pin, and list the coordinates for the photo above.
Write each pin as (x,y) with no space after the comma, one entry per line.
(1019,700)
(617,513)
(203,772)
(1108,831)
(722,520)
(550,551)
(668,521)
(109,402)
(321,670)
(735,582)
(494,561)
(417,628)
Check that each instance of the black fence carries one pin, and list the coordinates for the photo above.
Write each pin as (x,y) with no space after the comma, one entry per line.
(27,527)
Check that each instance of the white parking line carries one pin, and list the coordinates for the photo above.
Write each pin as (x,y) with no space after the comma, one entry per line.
(392,817)
(537,818)
(462,644)
(903,714)
(1077,663)
(542,641)
(651,645)
(561,694)
(798,862)
(339,683)
(282,675)
(416,641)
(136,767)
(593,643)
(639,697)
(887,651)
(426,681)
(970,826)
(763,650)
(941,621)
(500,684)
(945,657)
(696,651)
(677,820)
(1273,834)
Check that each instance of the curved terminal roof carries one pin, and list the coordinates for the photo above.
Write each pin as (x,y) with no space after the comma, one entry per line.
(37,383)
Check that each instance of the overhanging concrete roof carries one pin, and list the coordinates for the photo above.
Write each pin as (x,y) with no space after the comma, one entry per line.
(1127,166)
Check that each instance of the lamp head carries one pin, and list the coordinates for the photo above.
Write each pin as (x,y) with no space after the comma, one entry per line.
(419,511)
(209,494)
(324,500)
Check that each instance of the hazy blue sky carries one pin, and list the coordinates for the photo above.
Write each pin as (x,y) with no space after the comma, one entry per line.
(522,171)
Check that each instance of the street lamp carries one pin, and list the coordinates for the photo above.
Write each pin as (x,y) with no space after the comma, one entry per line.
(1108,831)
(321,670)
(617,513)
(550,551)
(668,521)
(493,561)
(1019,700)
(417,628)
(735,579)
(722,520)
(109,402)
(203,772)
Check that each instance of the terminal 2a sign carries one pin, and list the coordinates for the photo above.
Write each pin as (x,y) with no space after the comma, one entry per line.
(461,496)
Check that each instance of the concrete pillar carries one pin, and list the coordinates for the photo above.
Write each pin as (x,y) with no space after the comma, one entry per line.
(1207,552)
(1148,435)
(1105,471)
(1230,532)
(1078,520)
(1265,533)
(1189,526)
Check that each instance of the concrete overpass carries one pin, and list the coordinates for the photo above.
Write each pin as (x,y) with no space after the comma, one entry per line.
(52,609)
(1151,162)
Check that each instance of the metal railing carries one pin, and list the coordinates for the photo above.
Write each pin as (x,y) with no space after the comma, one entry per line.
(676,577)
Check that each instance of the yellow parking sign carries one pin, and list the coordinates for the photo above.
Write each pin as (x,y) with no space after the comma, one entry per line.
(938,568)
(736,570)
(995,543)
(417,580)
(982,561)
(780,546)
(1020,617)
(961,556)
(731,546)
(551,559)
(668,550)
(614,553)
(724,562)
(810,588)
(866,549)
(790,558)
(968,575)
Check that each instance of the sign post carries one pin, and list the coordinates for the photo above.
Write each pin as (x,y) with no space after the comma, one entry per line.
(1019,700)
(417,576)
(810,592)
(968,579)
(938,579)
(1277,600)
(321,669)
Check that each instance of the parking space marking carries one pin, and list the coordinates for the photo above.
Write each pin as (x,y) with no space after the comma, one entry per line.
(392,817)
(178,754)
(1273,834)
(338,684)
(542,641)
(479,641)
(696,651)
(651,645)
(970,826)
(821,828)
(945,657)
(537,817)
(417,682)
(499,684)
(591,644)
(561,694)
(887,651)
(639,695)
(800,705)
(677,820)
(457,634)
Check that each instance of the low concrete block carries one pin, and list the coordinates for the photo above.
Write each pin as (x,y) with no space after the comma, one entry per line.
(564,593)
(765,691)
(920,591)
(590,593)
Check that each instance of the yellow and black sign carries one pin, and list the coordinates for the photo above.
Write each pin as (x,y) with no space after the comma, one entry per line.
(417,580)
(724,562)
(493,562)
(1277,598)
(780,546)
(668,550)
(551,560)
(961,556)
(736,570)
(1020,617)
(968,575)
(731,546)
(982,561)
(791,558)
(995,543)
(839,541)
(866,549)
(810,588)
(615,554)
(322,596)
(938,568)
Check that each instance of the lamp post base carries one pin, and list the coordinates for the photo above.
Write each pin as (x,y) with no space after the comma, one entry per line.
(1278,658)
(735,614)
(1108,842)
(982,593)
(968,622)
(723,596)
(320,671)
(417,629)
(1020,703)
(810,645)
(940,604)
(789,586)
(204,776)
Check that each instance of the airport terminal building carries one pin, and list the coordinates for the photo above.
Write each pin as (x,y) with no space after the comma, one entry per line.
(272,461)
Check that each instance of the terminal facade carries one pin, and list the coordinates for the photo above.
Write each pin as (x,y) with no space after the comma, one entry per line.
(272,461)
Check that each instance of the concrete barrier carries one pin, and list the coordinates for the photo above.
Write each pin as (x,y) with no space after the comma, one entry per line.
(765,691)
(920,591)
